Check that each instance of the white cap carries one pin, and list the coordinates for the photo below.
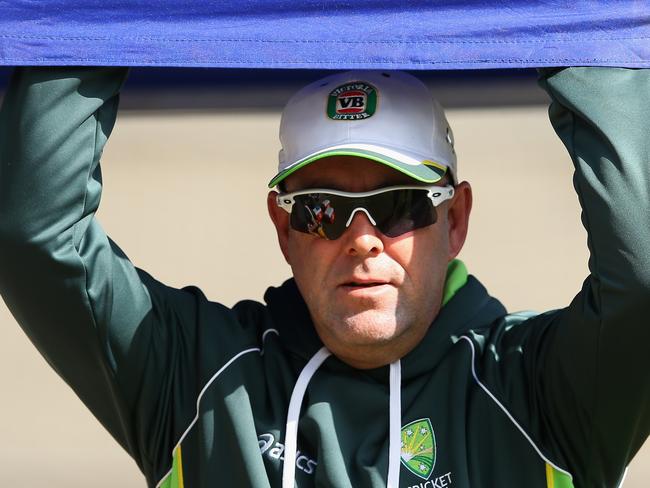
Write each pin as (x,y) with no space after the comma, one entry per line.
(387,116)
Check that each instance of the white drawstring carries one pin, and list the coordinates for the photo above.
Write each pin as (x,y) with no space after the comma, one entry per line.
(395,421)
(293,415)
(291,436)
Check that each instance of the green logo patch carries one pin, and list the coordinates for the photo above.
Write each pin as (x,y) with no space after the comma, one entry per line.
(353,101)
(418,452)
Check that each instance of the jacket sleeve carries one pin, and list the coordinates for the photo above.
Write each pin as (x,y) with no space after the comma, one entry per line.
(591,363)
(120,339)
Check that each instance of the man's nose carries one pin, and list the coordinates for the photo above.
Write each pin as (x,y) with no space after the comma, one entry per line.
(362,237)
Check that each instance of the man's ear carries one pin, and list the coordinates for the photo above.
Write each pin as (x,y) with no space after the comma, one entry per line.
(280,219)
(458,217)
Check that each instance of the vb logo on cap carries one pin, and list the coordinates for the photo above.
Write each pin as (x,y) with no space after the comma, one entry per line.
(353,101)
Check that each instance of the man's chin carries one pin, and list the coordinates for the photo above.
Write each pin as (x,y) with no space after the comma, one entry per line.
(367,328)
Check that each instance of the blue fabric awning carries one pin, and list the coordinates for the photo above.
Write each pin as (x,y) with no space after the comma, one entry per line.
(325,34)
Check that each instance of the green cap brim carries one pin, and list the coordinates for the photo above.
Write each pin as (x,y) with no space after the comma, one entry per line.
(427,172)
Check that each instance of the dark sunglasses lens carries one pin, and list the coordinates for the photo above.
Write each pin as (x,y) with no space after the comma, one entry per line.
(403,211)
(319,214)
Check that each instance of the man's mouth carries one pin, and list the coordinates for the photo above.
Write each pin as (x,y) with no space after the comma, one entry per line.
(365,283)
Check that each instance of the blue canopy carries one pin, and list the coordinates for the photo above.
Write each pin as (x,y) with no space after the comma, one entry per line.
(324,34)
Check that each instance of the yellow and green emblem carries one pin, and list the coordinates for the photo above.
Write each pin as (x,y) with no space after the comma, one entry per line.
(418,452)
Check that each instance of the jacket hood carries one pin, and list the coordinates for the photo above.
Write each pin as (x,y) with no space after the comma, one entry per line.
(470,308)
(466,306)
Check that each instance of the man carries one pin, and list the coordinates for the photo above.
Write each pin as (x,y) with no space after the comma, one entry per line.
(382,363)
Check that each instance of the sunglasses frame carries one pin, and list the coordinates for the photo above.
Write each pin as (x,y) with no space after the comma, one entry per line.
(437,194)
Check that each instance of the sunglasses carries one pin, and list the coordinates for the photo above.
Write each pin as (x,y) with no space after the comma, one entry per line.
(393,210)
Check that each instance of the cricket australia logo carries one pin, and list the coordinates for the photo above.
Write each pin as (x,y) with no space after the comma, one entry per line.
(353,101)
(418,452)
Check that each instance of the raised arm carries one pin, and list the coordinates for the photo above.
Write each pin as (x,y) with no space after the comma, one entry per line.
(112,332)
(594,366)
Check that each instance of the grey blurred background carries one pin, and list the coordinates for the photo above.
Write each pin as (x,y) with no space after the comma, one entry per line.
(188,142)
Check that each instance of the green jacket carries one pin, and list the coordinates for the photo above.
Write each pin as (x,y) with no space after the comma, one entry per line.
(204,395)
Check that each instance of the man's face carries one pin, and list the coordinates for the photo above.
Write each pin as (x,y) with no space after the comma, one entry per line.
(371,297)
